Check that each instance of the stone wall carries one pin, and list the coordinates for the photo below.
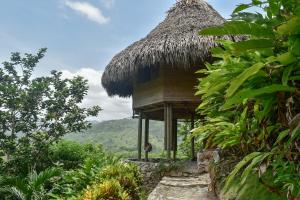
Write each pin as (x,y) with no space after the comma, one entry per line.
(151,173)
(154,170)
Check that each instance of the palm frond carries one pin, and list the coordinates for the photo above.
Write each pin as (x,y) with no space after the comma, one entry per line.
(15,192)
(44,176)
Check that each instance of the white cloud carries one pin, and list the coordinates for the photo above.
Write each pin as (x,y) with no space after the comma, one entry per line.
(113,108)
(91,12)
(108,3)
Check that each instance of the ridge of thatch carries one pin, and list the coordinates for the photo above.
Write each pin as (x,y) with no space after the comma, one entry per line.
(175,41)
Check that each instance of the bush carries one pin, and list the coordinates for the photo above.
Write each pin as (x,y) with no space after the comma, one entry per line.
(74,181)
(109,189)
(72,154)
(119,181)
(251,95)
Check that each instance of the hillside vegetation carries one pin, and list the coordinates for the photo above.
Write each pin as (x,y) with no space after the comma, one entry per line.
(120,135)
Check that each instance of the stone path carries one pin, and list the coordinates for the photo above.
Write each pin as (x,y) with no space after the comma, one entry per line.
(183,188)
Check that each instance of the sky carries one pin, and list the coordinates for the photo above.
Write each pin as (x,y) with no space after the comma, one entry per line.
(82,36)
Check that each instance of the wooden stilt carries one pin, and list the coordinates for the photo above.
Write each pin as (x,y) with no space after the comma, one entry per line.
(140,129)
(169,129)
(146,138)
(174,138)
(165,128)
(193,139)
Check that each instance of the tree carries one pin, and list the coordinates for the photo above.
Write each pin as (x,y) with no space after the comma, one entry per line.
(37,112)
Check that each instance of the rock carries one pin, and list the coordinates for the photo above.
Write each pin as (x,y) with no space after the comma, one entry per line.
(182,188)
(205,157)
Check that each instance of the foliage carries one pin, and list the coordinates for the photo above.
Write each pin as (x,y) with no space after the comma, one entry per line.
(184,140)
(251,190)
(109,189)
(119,136)
(98,173)
(250,94)
(116,182)
(33,187)
(73,181)
(36,112)
(71,154)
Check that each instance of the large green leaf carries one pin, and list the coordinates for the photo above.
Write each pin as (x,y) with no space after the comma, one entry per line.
(286,58)
(292,26)
(251,93)
(286,73)
(282,135)
(255,161)
(241,7)
(254,44)
(238,167)
(239,80)
(295,134)
(239,28)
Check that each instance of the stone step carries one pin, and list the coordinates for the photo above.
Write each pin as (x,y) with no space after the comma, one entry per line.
(184,182)
(183,188)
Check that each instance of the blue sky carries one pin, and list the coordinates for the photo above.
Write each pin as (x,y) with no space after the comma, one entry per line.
(83,35)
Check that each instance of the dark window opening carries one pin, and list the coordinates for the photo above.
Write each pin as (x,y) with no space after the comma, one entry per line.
(147,74)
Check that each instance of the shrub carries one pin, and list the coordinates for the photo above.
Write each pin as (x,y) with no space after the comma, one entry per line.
(119,181)
(74,181)
(109,189)
(251,95)
(72,154)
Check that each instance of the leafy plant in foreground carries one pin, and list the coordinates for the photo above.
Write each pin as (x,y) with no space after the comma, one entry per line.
(33,187)
(72,182)
(116,182)
(251,94)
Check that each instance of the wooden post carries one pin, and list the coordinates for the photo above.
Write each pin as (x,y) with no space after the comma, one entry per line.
(174,138)
(165,128)
(140,129)
(169,129)
(168,112)
(146,138)
(193,139)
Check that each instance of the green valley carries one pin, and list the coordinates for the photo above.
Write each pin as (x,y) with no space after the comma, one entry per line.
(119,135)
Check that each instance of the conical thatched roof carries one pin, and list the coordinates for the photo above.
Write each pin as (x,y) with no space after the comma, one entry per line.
(175,41)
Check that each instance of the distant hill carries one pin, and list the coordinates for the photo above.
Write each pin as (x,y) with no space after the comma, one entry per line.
(120,135)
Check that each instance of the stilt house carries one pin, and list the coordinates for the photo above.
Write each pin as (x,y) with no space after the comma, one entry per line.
(158,71)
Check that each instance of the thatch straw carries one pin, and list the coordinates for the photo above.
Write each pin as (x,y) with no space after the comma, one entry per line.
(175,41)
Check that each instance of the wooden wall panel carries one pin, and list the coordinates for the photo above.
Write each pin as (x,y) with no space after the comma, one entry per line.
(148,93)
(179,85)
(172,85)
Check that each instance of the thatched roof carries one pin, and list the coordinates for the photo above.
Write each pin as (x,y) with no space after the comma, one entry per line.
(175,41)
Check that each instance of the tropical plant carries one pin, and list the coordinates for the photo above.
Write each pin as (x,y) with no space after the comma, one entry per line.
(109,189)
(250,94)
(121,181)
(33,187)
(74,181)
(71,155)
(37,112)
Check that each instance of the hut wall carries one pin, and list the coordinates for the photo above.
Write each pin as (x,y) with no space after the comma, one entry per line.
(148,93)
(179,85)
(171,85)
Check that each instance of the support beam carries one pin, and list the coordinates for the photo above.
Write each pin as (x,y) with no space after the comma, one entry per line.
(168,128)
(193,139)
(140,129)
(146,143)
(165,127)
(174,124)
